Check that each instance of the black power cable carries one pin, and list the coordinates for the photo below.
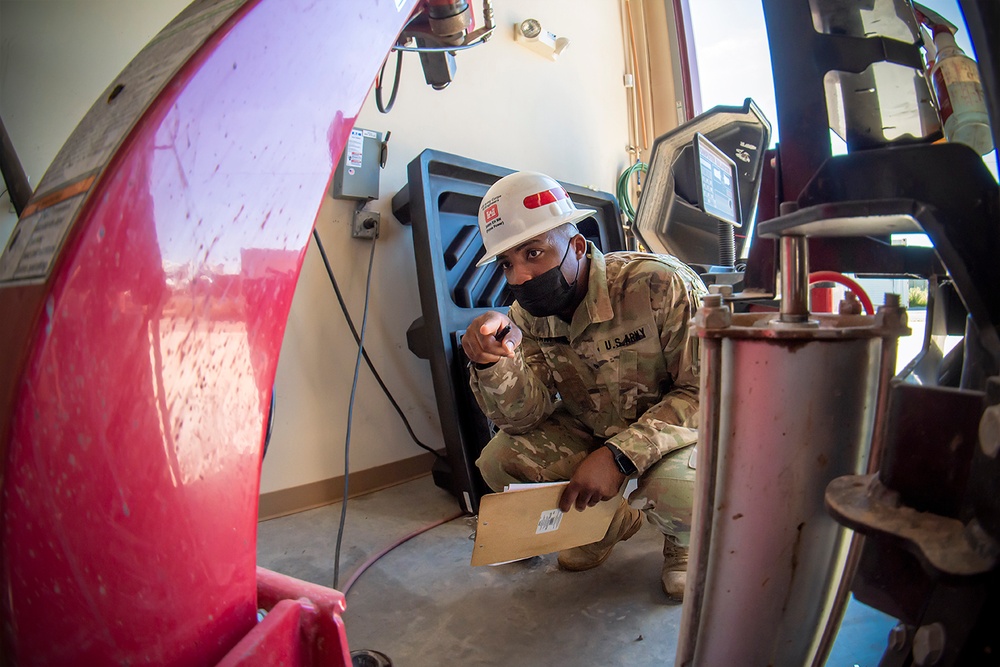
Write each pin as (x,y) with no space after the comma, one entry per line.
(386,108)
(270,424)
(357,339)
(350,417)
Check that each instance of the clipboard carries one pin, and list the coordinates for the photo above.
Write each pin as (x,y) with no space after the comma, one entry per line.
(527,522)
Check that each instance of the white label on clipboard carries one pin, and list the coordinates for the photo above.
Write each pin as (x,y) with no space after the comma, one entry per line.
(549,521)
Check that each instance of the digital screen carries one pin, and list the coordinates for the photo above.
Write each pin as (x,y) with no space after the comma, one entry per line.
(717,175)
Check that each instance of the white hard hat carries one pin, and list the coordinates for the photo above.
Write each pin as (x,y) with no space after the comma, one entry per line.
(521,206)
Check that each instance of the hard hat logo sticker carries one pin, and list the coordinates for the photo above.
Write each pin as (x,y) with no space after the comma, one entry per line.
(491,216)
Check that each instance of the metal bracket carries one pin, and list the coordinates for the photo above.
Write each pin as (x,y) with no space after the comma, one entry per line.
(862,503)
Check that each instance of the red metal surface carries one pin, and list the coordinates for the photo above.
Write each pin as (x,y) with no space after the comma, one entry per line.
(303,626)
(276,640)
(139,374)
(321,625)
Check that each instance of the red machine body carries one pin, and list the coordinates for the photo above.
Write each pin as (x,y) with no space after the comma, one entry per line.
(136,376)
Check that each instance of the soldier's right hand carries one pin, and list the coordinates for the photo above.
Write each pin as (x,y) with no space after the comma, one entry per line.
(483,342)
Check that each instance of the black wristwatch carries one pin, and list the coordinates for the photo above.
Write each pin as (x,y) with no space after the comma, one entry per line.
(624,464)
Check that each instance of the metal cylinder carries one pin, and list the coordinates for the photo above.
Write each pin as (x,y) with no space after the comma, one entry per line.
(794,279)
(894,317)
(701,520)
(792,413)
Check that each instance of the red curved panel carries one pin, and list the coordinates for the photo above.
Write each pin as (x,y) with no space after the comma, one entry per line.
(146,360)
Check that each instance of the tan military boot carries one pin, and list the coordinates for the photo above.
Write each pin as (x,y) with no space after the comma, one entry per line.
(624,525)
(674,575)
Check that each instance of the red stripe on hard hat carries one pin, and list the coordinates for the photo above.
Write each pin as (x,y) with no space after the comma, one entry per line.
(544,197)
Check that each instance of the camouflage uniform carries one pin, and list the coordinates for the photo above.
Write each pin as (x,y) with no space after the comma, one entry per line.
(623,371)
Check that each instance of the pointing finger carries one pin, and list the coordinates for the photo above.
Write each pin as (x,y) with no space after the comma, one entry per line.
(491,323)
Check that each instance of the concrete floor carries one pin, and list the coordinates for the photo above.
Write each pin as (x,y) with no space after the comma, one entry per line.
(422,604)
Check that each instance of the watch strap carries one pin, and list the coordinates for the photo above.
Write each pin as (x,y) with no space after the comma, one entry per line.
(622,462)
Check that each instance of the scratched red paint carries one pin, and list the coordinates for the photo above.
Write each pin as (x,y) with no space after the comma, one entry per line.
(133,459)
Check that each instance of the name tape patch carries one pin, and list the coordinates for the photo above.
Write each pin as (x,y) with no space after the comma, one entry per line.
(627,339)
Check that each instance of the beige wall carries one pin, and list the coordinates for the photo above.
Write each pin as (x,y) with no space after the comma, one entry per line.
(56,57)
(507,105)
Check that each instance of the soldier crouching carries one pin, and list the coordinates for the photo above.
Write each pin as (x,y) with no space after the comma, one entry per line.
(592,376)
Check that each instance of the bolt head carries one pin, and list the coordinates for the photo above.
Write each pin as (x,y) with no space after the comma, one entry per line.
(721,289)
(850,305)
(989,431)
(928,644)
(710,317)
(892,319)
(898,637)
(713,300)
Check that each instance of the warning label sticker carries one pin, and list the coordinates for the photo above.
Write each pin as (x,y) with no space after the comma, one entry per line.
(35,241)
(355,149)
(37,237)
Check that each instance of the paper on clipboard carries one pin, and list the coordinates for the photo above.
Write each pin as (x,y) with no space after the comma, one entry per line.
(526,522)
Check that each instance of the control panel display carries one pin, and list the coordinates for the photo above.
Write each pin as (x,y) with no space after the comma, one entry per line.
(716,178)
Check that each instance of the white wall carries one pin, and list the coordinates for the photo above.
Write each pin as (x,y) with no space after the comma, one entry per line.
(507,106)
(56,57)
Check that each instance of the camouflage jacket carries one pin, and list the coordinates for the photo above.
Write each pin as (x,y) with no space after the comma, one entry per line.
(625,366)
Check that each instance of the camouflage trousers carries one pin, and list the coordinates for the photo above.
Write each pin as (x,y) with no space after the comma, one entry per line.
(552,451)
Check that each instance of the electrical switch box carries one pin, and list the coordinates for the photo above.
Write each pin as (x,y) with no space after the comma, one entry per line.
(357,173)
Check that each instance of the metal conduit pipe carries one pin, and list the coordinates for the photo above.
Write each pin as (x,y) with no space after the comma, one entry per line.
(13,174)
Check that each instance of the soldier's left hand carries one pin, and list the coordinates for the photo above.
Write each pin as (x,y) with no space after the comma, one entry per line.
(597,478)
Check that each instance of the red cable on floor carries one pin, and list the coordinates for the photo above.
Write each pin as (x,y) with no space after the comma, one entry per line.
(371,561)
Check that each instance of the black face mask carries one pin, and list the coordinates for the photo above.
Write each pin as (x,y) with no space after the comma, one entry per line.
(548,293)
